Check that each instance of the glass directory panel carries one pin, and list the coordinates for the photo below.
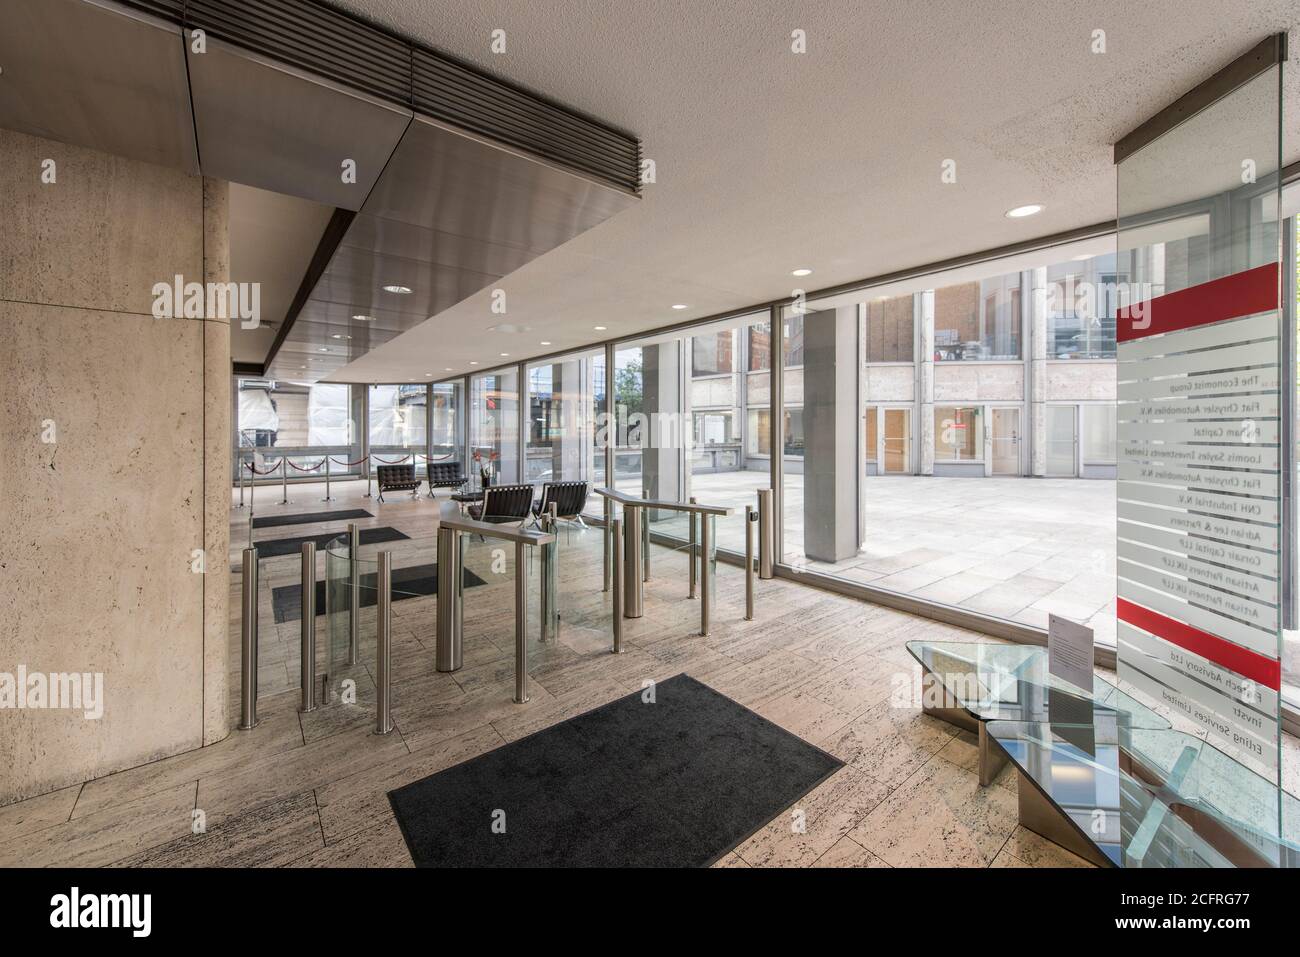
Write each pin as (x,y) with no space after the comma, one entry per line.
(1199,455)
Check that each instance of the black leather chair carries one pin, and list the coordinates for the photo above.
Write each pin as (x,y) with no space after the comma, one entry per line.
(504,503)
(445,475)
(397,478)
(569,499)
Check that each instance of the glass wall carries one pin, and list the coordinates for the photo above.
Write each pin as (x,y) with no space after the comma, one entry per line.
(300,420)
(652,433)
(445,439)
(565,399)
(399,424)
(978,320)
(494,427)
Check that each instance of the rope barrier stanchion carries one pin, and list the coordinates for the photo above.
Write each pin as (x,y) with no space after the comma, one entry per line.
(284,479)
(239,477)
(328,497)
(252,490)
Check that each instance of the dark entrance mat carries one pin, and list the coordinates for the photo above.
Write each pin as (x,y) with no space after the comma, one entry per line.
(412,582)
(677,783)
(275,547)
(310,518)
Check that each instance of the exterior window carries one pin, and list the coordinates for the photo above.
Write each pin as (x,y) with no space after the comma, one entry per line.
(1099,434)
(978,320)
(793,341)
(794,431)
(1082,298)
(760,431)
(713,355)
(958,434)
(889,329)
(760,347)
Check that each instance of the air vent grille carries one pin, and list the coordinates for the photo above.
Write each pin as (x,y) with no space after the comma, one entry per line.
(313,37)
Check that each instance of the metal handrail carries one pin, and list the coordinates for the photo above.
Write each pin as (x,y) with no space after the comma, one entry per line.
(449,517)
(637,501)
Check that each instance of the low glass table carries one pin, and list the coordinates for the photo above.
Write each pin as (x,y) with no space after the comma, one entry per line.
(970,683)
(1135,797)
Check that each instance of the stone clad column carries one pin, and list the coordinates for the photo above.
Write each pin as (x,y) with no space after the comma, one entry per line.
(216,466)
(923,306)
(1037,432)
(830,424)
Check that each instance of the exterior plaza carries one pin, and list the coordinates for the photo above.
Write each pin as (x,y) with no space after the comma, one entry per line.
(744,435)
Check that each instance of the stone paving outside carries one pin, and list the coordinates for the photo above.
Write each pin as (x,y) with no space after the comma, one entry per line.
(1014,548)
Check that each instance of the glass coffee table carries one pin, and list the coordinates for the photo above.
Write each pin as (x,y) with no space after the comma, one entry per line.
(970,683)
(1135,797)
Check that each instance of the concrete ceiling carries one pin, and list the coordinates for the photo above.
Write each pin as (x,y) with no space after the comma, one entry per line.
(769,160)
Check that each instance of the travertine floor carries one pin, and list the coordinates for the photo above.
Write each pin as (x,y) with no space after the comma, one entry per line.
(310,789)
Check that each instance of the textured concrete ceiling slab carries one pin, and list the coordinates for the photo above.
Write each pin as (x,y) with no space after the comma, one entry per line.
(768,160)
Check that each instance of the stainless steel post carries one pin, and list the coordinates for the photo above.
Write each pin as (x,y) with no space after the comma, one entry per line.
(751,518)
(690,549)
(448,652)
(307,647)
(550,596)
(633,584)
(521,624)
(239,468)
(616,533)
(354,581)
(766,533)
(252,486)
(383,645)
(248,644)
(605,558)
(284,480)
(706,572)
(328,497)
(645,540)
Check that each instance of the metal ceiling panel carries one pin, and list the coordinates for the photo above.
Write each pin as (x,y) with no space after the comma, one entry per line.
(450,216)
(96,74)
(278,128)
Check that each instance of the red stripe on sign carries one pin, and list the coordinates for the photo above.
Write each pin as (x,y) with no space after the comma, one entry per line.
(1241,294)
(1247,663)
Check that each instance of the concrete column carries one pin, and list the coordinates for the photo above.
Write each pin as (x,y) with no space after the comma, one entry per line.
(831,445)
(1036,305)
(661,391)
(923,306)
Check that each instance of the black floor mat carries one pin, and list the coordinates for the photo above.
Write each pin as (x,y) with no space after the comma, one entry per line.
(676,783)
(273,548)
(412,582)
(270,521)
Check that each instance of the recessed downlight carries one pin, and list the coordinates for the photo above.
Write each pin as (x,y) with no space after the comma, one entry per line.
(1031,209)
(505,355)
(546,342)
(322,349)
(473,363)
(679,305)
(801,271)
(599,328)
(339,335)
(361,318)
(398,290)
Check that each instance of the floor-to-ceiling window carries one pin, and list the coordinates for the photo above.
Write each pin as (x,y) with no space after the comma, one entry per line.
(494,426)
(565,398)
(299,421)
(447,405)
(399,421)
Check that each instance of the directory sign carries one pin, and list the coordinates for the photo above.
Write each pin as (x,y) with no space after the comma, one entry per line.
(1199,510)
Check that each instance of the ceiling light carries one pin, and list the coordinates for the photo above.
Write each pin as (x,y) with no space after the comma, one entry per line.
(361,318)
(322,349)
(399,290)
(801,271)
(339,335)
(448,369)
(473,363)
(599,328)
(1021,211)
(678,306)
(505,355)
(545,342)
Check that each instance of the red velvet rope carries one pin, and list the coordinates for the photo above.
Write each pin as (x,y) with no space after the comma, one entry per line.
(350,464)
(312,469)
(253,468)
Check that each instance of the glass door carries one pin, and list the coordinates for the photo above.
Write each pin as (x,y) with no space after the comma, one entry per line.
(897,441)
(1005,453)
